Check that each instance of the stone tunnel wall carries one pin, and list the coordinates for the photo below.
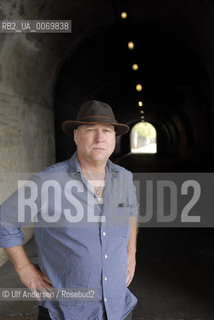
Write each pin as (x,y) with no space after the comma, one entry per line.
(26,114)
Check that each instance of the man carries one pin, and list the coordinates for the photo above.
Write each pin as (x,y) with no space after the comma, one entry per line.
(100,251)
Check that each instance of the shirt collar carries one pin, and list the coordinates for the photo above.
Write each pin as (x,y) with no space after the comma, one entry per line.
(74,165)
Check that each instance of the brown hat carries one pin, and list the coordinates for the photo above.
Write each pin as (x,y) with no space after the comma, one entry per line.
(94,111)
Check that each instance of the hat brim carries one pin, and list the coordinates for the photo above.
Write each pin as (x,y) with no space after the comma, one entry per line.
(69,125)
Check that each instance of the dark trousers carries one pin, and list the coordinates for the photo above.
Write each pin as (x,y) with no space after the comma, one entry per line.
(44,315)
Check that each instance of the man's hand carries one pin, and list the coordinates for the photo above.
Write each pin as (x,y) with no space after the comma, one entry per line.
(131,263)
(29,274)
(33,278)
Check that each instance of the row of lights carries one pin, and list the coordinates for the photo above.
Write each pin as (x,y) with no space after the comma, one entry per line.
(135,67)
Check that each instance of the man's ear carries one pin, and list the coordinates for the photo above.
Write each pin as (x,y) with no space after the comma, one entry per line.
(75,135)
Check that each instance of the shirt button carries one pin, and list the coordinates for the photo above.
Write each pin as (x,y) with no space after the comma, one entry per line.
(105,278)
(104,233)
(106,256)
(105,299)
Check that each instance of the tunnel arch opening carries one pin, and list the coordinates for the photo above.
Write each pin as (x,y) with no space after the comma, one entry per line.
(143,138)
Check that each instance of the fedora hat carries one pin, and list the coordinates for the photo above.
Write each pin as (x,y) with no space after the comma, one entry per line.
(91,112)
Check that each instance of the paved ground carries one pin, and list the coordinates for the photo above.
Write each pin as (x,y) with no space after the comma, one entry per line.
(175,275)
(174,278)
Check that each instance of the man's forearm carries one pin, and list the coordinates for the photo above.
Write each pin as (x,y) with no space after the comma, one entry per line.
(131,250)
(133,231)
(18,257)
(29,274)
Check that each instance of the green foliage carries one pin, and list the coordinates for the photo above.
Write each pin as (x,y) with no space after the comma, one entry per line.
(145,129)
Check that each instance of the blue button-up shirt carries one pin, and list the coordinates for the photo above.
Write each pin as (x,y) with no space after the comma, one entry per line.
(88,254)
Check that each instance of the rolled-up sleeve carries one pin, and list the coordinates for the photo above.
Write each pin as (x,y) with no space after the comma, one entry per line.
(10,223)
(10,236)
(134,206)
(10,233)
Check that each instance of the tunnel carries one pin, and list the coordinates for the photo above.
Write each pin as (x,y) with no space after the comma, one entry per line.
(45,77)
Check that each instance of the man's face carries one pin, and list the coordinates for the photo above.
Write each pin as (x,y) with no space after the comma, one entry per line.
(95,142)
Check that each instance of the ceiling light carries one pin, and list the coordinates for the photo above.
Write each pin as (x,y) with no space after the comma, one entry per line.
(135,66)
(139,87)
(131,45)
(123,15)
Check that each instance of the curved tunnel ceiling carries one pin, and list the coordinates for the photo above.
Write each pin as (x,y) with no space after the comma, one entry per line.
(174,46)
(189,23)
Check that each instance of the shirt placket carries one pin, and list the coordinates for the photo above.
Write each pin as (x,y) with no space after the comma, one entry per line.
(105,238)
